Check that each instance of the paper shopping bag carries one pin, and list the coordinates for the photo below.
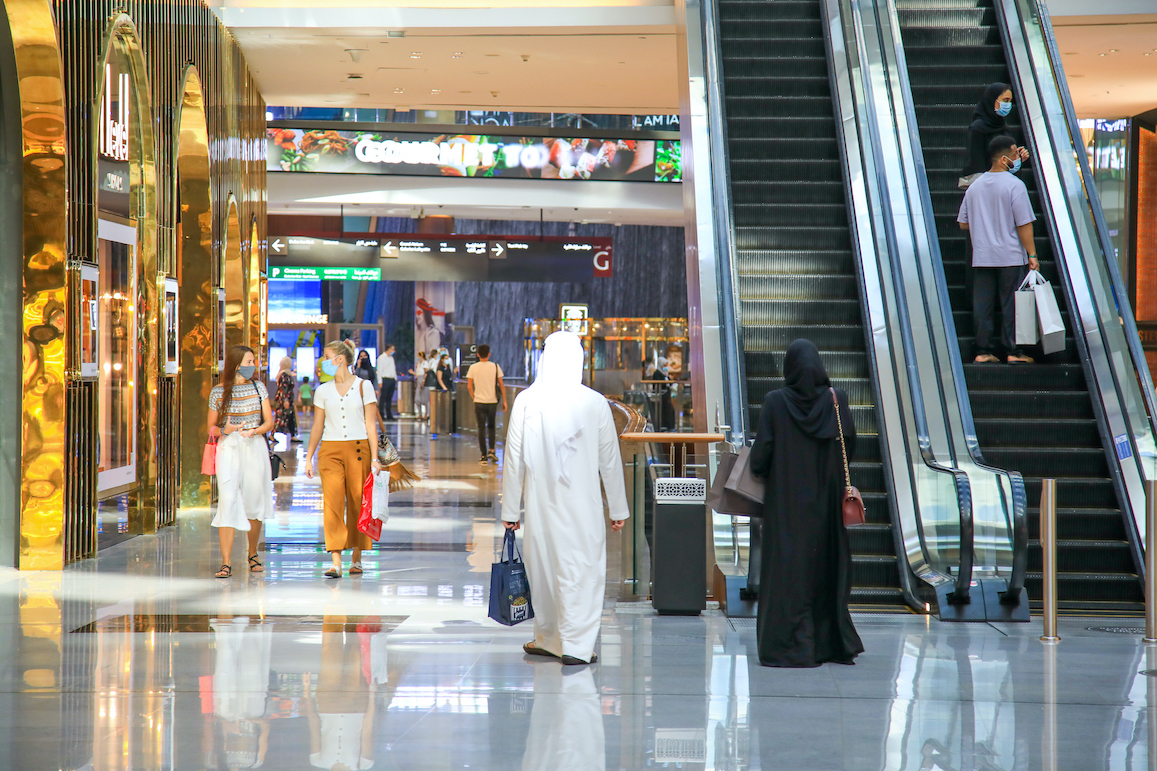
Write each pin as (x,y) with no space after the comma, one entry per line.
(209,457)
(366,521)
(742,482)
(509,586)
(381,499)
(1052,327)
(1025,311)
(725,501)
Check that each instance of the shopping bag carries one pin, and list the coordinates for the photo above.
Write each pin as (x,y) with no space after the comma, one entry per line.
(509,587)
(1025,310)
(367,523)
(742,482)
(726,501)
(1048,312)
(209,457)
(381,497)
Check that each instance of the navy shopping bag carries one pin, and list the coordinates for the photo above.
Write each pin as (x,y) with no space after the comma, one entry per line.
(509,588)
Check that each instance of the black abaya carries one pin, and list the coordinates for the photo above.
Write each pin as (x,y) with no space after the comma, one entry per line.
(805,581)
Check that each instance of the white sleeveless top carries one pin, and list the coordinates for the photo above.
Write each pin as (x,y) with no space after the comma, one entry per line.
(345,416)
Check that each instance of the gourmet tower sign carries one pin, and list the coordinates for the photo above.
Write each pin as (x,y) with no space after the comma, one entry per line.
(114,126)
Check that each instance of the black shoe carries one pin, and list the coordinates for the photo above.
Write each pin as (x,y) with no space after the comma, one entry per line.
(534,650)
(573,662)
(490,456)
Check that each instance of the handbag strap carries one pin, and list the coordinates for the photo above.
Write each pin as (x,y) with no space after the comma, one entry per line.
(843,447)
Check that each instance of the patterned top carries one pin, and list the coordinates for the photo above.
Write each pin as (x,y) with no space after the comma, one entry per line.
(244,403)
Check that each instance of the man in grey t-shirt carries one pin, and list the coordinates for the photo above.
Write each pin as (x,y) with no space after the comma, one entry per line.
(998,217)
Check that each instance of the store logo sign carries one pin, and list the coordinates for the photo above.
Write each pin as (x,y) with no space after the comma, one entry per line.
(426,153)
(114,129)
(604,266)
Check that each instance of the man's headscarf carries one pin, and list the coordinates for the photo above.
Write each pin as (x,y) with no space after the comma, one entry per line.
(552,420)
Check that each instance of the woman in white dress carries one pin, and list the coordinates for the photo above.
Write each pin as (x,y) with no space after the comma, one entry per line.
(240,414)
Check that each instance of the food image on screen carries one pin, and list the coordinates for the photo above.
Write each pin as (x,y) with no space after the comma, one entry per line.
(473,155)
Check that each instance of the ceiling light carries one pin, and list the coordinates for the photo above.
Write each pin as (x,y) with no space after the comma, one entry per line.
(456,55)
(1101,54)
(396,33)
(354,76)
(399,90)
(435,90)
(1112,50)
(415,54)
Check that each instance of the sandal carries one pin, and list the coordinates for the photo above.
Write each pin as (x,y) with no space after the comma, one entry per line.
(333,573)
(255,565)
(356,569)
(534,650)
(224,572)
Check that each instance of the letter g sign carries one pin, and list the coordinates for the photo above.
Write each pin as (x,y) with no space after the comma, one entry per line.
(604,264)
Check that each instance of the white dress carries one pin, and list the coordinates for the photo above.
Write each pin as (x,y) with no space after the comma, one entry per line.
(560,440)
(244,477)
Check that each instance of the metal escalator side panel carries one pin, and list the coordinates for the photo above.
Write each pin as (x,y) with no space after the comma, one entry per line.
(894,412)
(1095,293)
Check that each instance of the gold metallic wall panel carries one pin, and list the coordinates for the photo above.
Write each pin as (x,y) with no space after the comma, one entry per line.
(61,46)
(45,294)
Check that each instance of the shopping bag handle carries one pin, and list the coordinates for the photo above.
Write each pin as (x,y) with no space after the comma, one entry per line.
(1033,277)
(509,541)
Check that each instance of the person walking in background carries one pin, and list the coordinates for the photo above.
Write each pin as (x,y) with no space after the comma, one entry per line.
(305,394)
(285,411)
(806,576)
(484,382)
(421,395)
(445,372)
(388,382)
(365,369)
(561,440)
(345,424)
(998,216)
(239,411)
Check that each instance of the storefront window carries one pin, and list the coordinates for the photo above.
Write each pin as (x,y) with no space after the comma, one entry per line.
(117,355)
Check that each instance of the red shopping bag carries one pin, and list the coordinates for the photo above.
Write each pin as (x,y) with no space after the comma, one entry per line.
(209,457)
(366,521)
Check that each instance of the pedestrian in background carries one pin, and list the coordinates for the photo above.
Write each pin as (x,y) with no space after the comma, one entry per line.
(285,410)
(239,412)
(387,382)
(345,424)
(421,395)
(484,382)
(806,577)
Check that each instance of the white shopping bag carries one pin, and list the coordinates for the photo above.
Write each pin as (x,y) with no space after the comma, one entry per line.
(381,499)
(1052,328)
(1025,310)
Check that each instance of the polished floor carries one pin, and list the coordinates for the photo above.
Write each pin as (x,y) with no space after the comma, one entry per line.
(140,659)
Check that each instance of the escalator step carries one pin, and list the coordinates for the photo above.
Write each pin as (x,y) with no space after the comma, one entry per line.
(868,570)
(802,107)
(785,148)
(920,56)
(876,596)
(1089,587)
(771,63)
(848,337)
(1050,461)
(1086,556)
(771,29)
(1076,493)
(793,215)
(1025,377)
(996,404)
(1016,431)
(800,312)
(821,237)
(737,10)
(756,124)
(839,364)
(799,287)
(956,36)
(778,84)
(751,47)
(871,540)
(1081,524)
(788,262)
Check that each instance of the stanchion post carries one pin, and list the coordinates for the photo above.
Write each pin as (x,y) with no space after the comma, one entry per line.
(1150,561)
(1048,544)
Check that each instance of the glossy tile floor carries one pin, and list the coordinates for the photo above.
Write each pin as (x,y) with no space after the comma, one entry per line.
(139,659)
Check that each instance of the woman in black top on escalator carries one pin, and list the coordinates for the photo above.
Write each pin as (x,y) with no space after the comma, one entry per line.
(987,123)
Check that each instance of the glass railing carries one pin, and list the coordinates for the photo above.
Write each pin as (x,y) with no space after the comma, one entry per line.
(1115,367)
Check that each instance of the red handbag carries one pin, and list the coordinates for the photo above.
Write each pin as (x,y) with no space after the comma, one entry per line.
(209,457)
(853,504)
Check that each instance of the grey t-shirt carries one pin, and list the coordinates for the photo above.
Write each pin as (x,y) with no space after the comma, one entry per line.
(994,207)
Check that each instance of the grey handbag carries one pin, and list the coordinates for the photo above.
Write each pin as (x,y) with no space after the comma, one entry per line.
(726,501)
(742,482)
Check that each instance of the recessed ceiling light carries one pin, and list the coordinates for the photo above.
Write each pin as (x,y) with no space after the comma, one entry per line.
(1101,54)
(1112,50)
(396,33)
(481,73)
(492,55)
(399,90)
(354,76)
(456,55)
(435,90)
(415,54)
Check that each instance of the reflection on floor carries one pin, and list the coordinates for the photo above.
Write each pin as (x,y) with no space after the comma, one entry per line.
(139,659)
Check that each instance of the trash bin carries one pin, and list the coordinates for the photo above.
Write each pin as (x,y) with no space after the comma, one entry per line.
(406,396)
(441,412)
(679,553)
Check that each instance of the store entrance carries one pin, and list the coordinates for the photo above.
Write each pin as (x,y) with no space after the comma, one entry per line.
(117,357)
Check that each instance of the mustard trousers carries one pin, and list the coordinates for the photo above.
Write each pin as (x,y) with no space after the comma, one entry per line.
(343,467)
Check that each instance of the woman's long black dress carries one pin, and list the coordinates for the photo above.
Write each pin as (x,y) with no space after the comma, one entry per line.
(805,582)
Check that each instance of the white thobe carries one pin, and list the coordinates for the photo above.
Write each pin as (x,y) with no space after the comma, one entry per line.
(566,722)
(565,543)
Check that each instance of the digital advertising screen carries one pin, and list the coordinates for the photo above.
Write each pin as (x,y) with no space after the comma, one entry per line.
(473,155)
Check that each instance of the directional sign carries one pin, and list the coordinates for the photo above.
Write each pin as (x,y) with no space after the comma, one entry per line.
(498,250)
(389,249)
(278,246)
(318,273)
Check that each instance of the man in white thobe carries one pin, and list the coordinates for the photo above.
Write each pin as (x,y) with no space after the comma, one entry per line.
(560,440)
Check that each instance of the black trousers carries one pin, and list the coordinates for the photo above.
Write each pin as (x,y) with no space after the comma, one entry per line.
(386,397)
(487,416)
(990,286)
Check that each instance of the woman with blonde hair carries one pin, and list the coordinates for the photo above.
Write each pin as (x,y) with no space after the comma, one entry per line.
(345,424)
(285,410)
(239,411)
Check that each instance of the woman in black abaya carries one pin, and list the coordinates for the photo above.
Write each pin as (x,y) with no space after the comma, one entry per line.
(805,583)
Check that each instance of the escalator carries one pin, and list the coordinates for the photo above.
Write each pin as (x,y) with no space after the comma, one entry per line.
(795,269)
(1037,418)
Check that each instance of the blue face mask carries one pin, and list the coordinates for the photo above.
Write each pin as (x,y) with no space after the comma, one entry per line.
(1003,108)
(247,372)
(329,367)
(1015,166)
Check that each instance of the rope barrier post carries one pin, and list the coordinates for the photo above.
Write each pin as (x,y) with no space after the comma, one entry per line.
(1048,543)
(1150,561)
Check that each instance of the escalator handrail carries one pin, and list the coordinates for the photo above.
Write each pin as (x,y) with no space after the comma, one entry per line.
(735,365)
(1018,507)
(1120,291)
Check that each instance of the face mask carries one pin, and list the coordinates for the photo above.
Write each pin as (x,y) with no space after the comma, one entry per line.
(1003,108)
(328,367)
(247,372)
(1015,166)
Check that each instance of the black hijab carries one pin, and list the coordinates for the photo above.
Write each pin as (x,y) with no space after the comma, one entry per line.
(807,390)
(984,117)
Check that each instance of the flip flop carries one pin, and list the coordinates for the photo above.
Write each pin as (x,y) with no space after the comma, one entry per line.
(356,569)
(333,573)
(533,650)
